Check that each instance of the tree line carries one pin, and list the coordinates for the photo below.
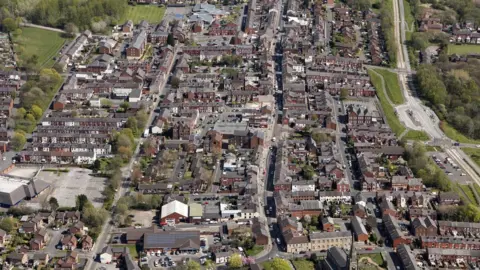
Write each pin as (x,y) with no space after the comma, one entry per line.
(92,14)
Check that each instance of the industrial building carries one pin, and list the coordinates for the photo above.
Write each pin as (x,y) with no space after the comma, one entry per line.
(15,189)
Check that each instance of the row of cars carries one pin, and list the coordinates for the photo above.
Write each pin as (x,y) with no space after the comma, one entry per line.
(164,262)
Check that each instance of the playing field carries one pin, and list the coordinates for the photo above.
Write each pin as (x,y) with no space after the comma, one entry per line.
(463,49)
(43,43)
(150,13)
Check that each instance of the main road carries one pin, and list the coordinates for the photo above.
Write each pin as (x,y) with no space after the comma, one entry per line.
(429,122)
(126,172)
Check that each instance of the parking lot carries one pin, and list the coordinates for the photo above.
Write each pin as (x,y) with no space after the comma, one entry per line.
(65,186)
(454,173)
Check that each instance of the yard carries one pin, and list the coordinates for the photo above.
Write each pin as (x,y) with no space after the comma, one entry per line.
(453,134)
(393,85)
(463,49)
(303,264)
(254,251)
(367,260)
(150,13)
(43,43)
(417,135)
(132,248)
(392,119)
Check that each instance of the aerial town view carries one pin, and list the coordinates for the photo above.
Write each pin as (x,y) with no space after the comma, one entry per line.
(240,134)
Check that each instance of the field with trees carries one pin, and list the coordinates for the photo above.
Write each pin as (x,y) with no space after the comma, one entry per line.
(37,46)
(452,90)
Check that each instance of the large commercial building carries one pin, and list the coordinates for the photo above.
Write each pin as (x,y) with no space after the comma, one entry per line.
(183,241)
(14,189)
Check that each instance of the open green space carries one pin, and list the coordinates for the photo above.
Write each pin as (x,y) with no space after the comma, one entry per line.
(150,13)
(455,135)
(417,135)
(463,49)
(408,13)
(254,251)
(467,190)
(388,110)
(43,43)
(476,187)
(376,257)
(430,148)
(393,85)
(473,153)
(303,264)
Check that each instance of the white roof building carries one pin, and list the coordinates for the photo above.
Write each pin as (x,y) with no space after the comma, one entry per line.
(174,207)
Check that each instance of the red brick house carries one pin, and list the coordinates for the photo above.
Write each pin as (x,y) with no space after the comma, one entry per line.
(328,224)
(173,212)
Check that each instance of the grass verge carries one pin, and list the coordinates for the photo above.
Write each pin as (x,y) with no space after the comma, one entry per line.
(254,251)
(388,110)
(416,135)
(150,13)
(303,264)
(467,189)
(430,148)
(393,85)
(43,43)
(463,49)
(455,135)
(408,14)
(473,153)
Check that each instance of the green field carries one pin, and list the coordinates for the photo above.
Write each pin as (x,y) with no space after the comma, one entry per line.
(416,135)
(463,49)
(389,111)
(150,13)
(455,135)
(43,43)
(393,85)
(303,265)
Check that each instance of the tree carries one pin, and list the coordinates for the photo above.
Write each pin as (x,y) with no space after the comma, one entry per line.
(193,265)
(37,112)
(7,224)
(320,137)
(71,29)
(280,264)
(132,124)
(20,113)
(170,40)
(94,217)
(18,32)
(106,103)
(209,265)
(235,261)
(175,82)
(125,106)
(53,202)
(9,25)
(343,93)
(18,141)
(81,201)
(308,172)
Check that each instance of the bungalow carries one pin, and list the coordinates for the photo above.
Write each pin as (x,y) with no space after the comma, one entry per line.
(16,258)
